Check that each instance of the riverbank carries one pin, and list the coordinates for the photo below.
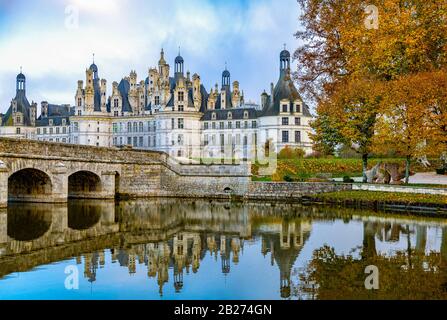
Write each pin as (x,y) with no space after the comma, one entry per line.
(420,204)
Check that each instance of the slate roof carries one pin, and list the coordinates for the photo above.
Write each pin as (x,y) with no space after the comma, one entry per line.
(237,114)
(124,88)
(57,121)
(284,90)
(23,106)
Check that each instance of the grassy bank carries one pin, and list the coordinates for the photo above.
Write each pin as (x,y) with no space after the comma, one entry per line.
(384,197)
(303,169)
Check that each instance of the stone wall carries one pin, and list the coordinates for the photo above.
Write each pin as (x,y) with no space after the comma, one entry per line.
(291,190)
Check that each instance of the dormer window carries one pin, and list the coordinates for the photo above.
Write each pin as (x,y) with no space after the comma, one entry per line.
(50,122)
(298,107)
(284,108)
(230,115)
(245,114)
(213,116)
(63,122)
(181,96)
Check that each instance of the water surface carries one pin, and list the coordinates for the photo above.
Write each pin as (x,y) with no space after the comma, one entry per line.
(180,249)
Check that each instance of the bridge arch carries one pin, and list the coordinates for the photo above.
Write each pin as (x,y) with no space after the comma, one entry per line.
(84,184)
(29,185)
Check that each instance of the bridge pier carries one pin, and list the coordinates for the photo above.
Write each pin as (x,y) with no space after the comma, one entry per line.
(3,227)
(3,185)
(60,184)
(108,184)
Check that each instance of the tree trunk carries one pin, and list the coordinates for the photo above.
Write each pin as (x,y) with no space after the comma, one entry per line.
(407,169)
(365,167)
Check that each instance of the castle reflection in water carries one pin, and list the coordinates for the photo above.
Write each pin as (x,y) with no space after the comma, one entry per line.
(170,238)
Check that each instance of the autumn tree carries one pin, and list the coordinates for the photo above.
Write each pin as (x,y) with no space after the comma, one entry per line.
(402,124)
(340,47)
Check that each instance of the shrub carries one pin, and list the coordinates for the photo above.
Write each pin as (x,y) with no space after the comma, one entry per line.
(348,179)
(440,171)
(291,153)
(287,178)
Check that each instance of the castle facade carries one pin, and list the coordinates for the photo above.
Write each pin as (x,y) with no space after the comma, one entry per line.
(173,113)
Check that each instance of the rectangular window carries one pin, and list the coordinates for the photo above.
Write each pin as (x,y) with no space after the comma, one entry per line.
(51,130)
(135,141)
(222,140)
(180,139)
(115,128)
(58,130)
(181,96)
(141,142)
(297,121)
(38,130)
(238,124)
(172,123)
(221,125)
(157,101)
(297,136)
(254,124)
(205,125)
(129,127)
(230,125)
(285,136)
(180,123)
(284,108)
(181,108)
(285,121)
(246,124)
(64,130)
(129,141)
(44,130)
(213,125)
(141,126)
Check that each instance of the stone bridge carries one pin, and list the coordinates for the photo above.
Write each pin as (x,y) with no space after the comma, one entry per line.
(35,171)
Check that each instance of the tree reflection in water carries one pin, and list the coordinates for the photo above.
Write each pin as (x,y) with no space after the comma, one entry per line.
(410,274)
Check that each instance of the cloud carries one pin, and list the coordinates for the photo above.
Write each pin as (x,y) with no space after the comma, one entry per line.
(128,34)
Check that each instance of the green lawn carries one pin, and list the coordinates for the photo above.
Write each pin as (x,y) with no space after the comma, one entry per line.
(408,198)
(302,169)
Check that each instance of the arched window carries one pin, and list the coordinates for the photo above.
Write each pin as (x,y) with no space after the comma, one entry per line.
(213,116)
(230,115)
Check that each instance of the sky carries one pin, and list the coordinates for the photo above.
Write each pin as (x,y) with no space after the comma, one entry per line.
(54,41)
